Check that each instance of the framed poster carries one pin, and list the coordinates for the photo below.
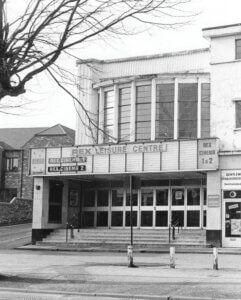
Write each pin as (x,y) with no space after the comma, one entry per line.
(73,198)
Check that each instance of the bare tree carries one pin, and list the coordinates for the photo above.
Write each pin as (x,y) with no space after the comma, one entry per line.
(33,42)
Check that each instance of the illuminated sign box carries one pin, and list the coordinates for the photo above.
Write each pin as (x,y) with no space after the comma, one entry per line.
(178,155)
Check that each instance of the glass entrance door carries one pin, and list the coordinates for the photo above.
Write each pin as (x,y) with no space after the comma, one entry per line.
(186,206)
(178,206)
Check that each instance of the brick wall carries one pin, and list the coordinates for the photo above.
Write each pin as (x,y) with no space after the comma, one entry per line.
(16,212)
(21,179)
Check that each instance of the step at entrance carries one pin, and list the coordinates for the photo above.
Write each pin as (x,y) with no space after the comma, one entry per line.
(119,239)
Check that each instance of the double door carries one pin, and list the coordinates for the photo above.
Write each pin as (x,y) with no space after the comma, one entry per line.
(154,207)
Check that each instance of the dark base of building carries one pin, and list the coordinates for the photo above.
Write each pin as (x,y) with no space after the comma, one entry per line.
(214,237)
(39,234)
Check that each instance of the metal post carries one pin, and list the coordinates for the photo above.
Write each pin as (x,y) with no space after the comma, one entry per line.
(215,259)
(169,233)
(67,232)
(173,232)
(172,257)
(130,248)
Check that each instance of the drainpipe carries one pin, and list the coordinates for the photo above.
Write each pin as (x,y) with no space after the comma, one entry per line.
(21,174)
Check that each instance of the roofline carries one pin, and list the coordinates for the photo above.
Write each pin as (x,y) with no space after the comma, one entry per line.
(135,58)
(221,27)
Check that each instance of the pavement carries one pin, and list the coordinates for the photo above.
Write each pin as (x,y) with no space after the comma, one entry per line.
(13,236)
(87,275)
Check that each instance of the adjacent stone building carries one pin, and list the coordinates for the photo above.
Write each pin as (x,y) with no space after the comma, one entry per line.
(14,156)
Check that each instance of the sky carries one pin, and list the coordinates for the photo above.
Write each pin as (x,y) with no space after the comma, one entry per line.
(48,105)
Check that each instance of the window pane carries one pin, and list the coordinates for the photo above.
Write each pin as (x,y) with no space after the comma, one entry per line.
(178,197)
(124,114)
(134,198)
(162,218)
(143,112)
(161,197)
(205,110)
(102,218)
(164,110)
(238,114)
(146,218)
(178,216)
(117,218)
(193,196)
(134,218)
(102,198)
(12,164)
(108,115)
(187,110)
(117,198)
(204,218)
(193,218)
(88,219)
(89,198)
(146,197)
(204,196)
(238,49)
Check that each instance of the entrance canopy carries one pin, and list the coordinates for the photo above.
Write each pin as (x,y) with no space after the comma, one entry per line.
(142,158)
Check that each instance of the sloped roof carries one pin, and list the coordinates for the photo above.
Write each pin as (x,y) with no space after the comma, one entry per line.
(5,146)
(58,130)
(16,138)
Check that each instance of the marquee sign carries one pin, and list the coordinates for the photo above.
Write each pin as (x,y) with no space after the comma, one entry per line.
(115,159)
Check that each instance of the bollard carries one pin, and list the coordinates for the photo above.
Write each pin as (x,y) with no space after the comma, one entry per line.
(215,258)
(172,257)
(130,256)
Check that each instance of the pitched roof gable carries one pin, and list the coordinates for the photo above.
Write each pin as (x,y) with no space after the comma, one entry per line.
(58,130)
(17,137)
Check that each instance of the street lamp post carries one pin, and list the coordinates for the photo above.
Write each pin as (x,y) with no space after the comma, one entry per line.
(130,248)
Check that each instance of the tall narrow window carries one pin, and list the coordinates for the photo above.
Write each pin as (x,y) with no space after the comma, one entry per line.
(164,110)
(205,110)
(143,113)
(238,49)
(238,113)
(108,116)
(187,110)
(124,114)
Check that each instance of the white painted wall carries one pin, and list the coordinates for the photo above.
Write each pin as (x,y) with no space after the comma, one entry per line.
(86,133)
(214,214)
(225,87)
(41,204)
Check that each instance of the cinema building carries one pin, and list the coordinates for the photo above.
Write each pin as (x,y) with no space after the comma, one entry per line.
(172,122)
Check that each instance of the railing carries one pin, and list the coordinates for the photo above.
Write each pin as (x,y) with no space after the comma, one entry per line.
(71,227)
(172,229)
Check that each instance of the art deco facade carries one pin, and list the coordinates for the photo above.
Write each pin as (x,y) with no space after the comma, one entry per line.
(172,122)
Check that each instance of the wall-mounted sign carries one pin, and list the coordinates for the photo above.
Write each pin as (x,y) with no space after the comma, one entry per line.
(178,195)
(235,226)
(207,154)
(169,156)
(67,168)
(231,180)
(119,149)
(37,161)
(213,201)
(73,198)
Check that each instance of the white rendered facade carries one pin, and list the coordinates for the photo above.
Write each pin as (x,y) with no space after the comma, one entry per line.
(171,122)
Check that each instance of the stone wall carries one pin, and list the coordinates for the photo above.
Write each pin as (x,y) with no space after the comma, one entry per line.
(16,212)
(21,179)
